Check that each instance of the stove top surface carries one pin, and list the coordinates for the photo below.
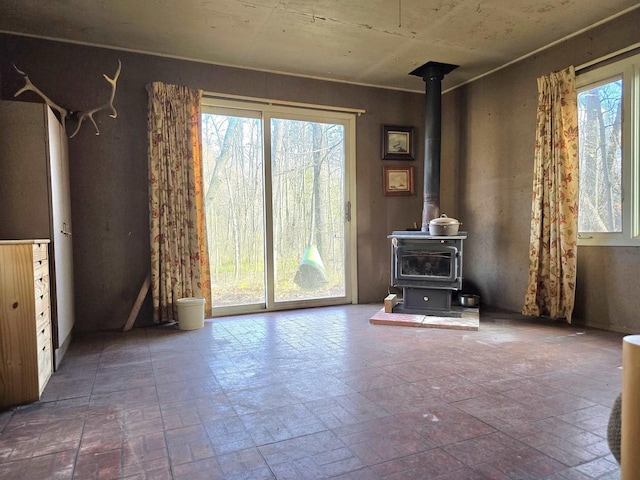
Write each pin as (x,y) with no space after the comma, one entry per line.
(425,235)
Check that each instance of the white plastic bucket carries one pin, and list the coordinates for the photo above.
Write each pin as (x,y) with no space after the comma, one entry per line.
(190,313)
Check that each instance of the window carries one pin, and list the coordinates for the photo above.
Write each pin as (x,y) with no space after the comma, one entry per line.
(608,111)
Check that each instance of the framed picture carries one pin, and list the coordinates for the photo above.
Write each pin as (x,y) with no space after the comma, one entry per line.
(398,180)
(397,143)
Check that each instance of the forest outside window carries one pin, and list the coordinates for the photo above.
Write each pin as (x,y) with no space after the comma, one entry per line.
(608,113)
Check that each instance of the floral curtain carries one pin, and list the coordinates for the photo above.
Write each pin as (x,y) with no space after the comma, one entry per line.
(179,253)
(554,216)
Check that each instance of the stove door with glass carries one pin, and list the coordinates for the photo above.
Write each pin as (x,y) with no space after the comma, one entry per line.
(427,264)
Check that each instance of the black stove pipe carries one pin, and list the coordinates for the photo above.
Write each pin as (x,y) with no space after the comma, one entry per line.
(432,73)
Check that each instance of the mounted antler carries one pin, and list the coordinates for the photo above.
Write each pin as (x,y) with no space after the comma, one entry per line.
(28,86)
(81,116)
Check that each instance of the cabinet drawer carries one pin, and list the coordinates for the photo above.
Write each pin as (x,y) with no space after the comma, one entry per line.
(40,252)
(42,304)
(45,359)
(45,365)
(41,288)
(43,335)
(43,319)
(40,269)
(43,328)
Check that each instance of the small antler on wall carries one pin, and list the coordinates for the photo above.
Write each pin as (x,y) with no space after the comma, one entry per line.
(82,115)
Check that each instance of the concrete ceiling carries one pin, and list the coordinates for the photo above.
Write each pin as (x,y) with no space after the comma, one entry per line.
(370,42)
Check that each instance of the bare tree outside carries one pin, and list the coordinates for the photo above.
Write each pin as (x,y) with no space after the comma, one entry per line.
(233,191)
(600,131)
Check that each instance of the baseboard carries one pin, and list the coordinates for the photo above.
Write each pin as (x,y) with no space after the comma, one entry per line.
(59,353)
(605,326)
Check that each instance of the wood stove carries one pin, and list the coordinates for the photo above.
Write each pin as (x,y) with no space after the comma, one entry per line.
(427,267)
(429,270)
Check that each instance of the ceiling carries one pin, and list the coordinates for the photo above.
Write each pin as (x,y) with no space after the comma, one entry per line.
(369,42)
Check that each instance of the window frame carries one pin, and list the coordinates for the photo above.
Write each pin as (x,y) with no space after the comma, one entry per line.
(629,70)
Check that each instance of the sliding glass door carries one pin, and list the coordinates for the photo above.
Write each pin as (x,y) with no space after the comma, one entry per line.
(277,199)
(234,190)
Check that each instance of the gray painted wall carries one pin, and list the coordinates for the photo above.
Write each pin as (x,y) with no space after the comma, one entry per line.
(109,171)
(495,118)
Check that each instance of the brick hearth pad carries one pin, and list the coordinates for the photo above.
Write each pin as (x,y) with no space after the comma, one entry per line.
(470,320)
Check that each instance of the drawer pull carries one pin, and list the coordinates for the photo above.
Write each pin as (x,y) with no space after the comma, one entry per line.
(426,299)
(15,305)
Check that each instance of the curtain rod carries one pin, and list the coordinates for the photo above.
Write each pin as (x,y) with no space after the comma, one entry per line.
(282,103)
(630,48)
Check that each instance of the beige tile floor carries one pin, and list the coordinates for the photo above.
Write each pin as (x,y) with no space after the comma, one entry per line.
(322,393)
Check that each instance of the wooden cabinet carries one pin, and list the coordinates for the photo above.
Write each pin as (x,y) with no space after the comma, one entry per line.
(35,200)
(26,360)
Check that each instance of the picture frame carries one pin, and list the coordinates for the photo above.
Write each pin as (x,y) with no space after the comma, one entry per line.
(397,143)
(397,180)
